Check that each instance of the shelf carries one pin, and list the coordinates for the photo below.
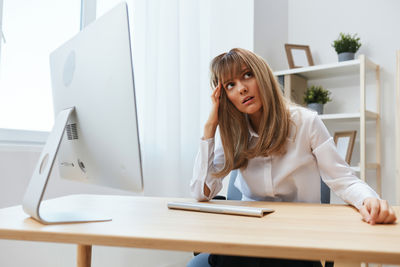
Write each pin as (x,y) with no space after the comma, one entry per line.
(373,166)
(350,67)
(295,81)
(349,116)
(370,166)
(355,168)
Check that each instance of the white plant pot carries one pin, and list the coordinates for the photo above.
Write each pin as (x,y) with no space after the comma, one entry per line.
(319,108)
(346,56)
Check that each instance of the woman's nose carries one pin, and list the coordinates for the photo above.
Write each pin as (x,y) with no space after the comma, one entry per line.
(242,88)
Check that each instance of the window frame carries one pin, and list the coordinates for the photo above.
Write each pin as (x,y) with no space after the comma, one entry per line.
(10,137)
(1,26)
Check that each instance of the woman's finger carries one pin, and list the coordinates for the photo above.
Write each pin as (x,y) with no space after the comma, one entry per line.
(391,218)
(383,211)
(365,214)
(219,90)
(374,210)
(216,94)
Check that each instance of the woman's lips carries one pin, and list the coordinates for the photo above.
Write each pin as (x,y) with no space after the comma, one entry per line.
(248,100)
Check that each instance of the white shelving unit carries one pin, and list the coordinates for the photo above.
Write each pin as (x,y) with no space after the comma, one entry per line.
(349,116)
(352,67)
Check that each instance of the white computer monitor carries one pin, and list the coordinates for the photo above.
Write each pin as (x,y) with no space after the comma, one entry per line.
(94,103)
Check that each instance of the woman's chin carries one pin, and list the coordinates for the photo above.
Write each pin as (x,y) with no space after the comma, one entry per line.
(251,109)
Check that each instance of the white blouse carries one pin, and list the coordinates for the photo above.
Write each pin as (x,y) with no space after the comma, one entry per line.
(292,177)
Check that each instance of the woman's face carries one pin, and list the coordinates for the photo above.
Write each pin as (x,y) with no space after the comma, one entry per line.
(243,92)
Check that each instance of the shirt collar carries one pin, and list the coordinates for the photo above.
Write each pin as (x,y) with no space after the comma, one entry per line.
(251,130)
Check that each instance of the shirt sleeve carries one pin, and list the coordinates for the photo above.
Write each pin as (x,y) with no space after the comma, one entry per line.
(210,158)
(334,170)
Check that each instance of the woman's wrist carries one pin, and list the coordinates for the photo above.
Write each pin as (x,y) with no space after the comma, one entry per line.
(209,130)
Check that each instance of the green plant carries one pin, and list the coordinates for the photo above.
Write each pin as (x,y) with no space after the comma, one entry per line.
(346,43)
(317,94)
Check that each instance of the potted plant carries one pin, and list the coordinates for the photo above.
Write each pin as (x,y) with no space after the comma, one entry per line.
(316,97)
(346,46)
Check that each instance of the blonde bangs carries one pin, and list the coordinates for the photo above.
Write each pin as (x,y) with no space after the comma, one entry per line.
(227,67)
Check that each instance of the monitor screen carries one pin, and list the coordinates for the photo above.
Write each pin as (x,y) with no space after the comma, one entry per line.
(94,103)
(93,73)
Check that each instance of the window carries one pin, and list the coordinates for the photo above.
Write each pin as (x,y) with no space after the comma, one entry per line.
(32,29)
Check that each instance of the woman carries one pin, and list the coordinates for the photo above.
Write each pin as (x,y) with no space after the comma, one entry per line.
(281,150)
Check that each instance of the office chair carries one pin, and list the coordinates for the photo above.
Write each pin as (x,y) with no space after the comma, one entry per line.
(201,259)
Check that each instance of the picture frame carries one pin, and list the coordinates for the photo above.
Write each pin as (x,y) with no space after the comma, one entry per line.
(345,143)
(298,56)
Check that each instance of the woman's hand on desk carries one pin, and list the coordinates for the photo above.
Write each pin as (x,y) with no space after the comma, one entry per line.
(377,211)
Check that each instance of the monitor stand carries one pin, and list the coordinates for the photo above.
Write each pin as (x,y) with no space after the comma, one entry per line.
(37,185)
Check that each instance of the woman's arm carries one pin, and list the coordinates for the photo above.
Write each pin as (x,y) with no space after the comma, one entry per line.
(203,185)
(337,174)
(212,123)
(209,160)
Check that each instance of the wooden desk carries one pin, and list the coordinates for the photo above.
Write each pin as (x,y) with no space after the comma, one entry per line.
(294,230)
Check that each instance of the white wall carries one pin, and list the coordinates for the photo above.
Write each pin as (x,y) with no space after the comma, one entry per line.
(231,23)
(271,31)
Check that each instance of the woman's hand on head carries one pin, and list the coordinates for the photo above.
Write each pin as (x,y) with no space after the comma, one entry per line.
(212,122)
(377,211)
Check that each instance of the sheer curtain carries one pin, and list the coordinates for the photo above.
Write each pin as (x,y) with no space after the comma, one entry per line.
(171,55)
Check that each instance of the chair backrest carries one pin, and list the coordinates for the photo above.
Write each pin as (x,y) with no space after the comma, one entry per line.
(325,193)
(235,194)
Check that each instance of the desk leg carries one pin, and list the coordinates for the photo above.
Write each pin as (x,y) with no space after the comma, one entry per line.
(84,256)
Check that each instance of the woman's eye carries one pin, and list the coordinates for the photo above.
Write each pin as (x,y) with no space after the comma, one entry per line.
(229,86)
(248,75)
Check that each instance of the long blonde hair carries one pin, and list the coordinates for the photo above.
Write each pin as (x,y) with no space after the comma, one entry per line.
(275,120)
